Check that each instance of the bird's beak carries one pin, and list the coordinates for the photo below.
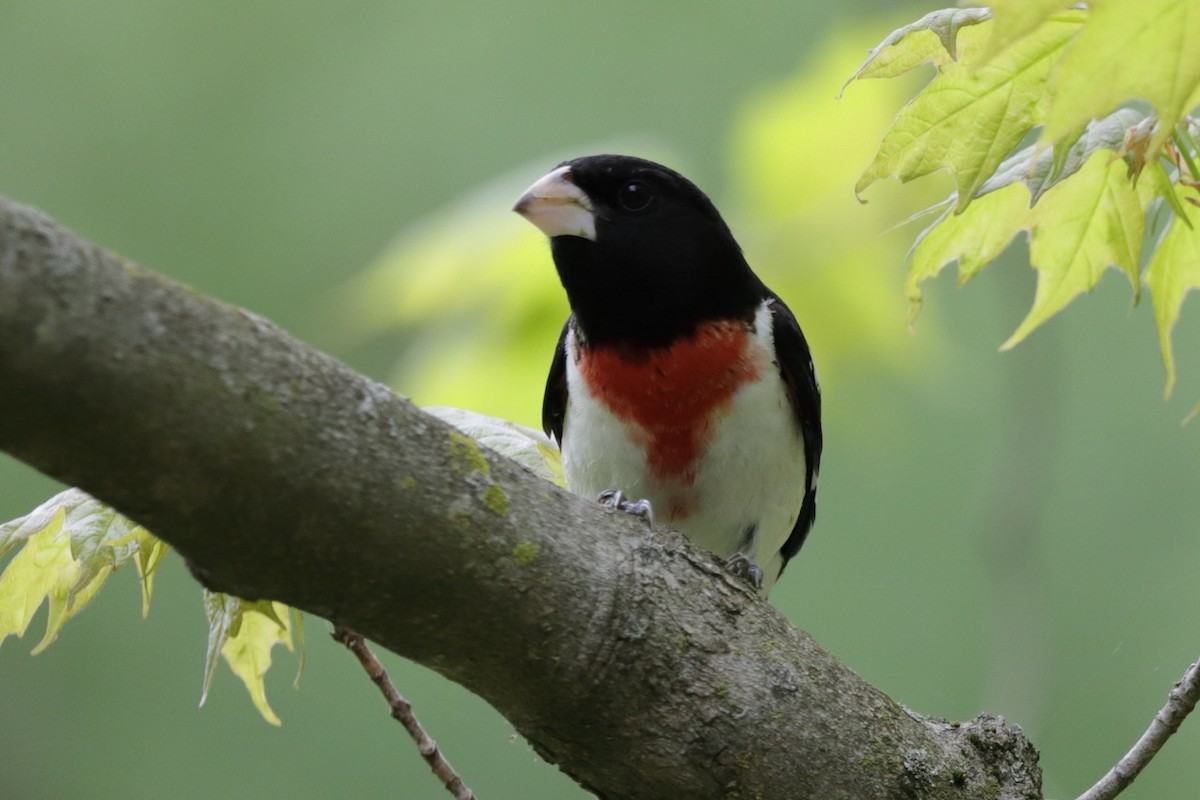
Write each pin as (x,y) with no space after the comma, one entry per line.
(558,207)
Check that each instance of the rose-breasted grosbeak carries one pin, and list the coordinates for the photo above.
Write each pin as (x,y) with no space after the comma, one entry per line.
(679,377)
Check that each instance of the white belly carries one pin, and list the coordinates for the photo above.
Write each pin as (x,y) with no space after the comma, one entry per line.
(748,493)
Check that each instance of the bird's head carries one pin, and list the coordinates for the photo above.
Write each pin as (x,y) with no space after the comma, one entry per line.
(641,251)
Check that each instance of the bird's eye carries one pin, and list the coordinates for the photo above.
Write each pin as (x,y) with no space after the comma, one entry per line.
(635,196)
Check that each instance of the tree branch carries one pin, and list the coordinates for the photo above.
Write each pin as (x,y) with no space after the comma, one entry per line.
(630,659)
(402,712)
(1166,722)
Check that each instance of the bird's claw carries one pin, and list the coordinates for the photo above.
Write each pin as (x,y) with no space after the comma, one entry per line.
(615,499)
(740,564)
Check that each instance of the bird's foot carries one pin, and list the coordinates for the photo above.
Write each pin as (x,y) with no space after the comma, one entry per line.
(615,499)
(741,565)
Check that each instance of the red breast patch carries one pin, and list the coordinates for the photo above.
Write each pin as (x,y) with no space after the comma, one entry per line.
(672,392)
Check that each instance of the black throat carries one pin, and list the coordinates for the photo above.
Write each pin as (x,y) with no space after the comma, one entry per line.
(650,299)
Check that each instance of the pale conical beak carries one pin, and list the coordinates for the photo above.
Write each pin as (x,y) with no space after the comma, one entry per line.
(558,207)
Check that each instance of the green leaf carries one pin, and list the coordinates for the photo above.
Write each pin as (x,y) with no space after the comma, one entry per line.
(972,115)
(220,609)
(149,556)
(1130,49)
(933,39)
(1081,228)
(973,238)
(1016,19)
(71,543)
(1041,168)
(800,228)
(1162,186)
(531,448)
(1174,270)
(243,633)
(1100,182)
(69,546)
(248,651)
(43,568)
(18,530)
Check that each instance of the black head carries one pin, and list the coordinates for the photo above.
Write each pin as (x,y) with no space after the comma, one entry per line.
(643,254)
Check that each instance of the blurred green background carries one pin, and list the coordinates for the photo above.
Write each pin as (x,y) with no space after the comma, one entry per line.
(1012,533)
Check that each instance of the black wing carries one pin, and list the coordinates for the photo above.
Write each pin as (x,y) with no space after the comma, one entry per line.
(796,368)
(554,403)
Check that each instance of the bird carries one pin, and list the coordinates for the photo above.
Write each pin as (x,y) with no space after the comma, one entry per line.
(681,387)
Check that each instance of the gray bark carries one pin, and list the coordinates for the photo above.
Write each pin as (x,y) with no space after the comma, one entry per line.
(628,658)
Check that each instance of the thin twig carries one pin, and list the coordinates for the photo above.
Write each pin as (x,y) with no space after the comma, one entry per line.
(1180,703)
(403,713)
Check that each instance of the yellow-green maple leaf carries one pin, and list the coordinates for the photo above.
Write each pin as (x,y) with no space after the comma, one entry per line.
(1015,19)
(933,39)
(1100,218)
(1174,271)
(800,228)
(71,544)
(1129,49)
(243,633)
(973,238)
(44,568)
(149,555)
(971,115)
(1081,227)
(1089,211)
